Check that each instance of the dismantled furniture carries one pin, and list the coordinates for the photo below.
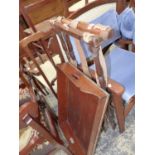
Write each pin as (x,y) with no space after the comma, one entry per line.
(95,76)
(28,10)
(91,98)
(45,59)
(36,15)
(81,109)
(33,131)
(36,12)
(114,73)
(119,14)
(89,93)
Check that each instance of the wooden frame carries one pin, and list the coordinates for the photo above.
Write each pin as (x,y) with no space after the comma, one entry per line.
(116,90)
(53,47)
(120,6)
(43,25)
(24,45)
(29,116)
(30,9)
(97,97)
(121,110)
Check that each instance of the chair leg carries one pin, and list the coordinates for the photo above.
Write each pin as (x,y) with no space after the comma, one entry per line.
(119,108)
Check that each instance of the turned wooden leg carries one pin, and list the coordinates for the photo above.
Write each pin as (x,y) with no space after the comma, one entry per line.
(119,108)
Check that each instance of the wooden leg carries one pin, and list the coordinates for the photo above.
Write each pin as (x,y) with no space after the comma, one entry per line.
(119,108)
(130,105)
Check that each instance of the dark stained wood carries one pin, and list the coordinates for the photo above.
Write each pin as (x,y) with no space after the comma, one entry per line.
(82,105)
(29,115)
(130,106)
(40,10)
(121,111)
(120,6)
(24,46)
(116,89)
(36,14)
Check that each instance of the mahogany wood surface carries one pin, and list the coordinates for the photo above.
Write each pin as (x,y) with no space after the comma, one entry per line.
(29,115)
(40,10)
(36,14)
(82,105)
(24,45)
(121,110)
(120,6)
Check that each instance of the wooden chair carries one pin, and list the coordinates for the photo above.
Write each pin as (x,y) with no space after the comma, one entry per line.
(27,64)
(25,46)
(98,99)
(99,12)
(36,15)
(33,132)
(117,78)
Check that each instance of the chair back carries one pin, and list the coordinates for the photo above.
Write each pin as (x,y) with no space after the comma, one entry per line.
(107,13)
(92,37)
(36,11)
(32,128)
(25,46)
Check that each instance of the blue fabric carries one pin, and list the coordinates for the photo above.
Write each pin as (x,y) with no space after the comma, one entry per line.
(110,18)
(126,22)
(121,68)
(123,23)
(76,53)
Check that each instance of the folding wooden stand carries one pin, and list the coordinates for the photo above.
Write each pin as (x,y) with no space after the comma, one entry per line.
(82,105)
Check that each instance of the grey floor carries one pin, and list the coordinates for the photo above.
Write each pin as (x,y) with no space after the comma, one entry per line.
(114,143)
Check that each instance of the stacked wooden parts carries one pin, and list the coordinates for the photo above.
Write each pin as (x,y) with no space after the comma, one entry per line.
(82,107)
(30,120)
(82,132)
(72,83)
(117,89)
(82,103)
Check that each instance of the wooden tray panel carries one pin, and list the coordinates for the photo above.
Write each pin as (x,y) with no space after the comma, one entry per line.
(82,106)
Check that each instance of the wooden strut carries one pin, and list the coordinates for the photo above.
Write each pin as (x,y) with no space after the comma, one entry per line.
(104,32)
(82,57)
(24,44)
(64,24)
(40,70)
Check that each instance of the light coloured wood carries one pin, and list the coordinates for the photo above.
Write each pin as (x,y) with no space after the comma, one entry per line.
(52,8)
